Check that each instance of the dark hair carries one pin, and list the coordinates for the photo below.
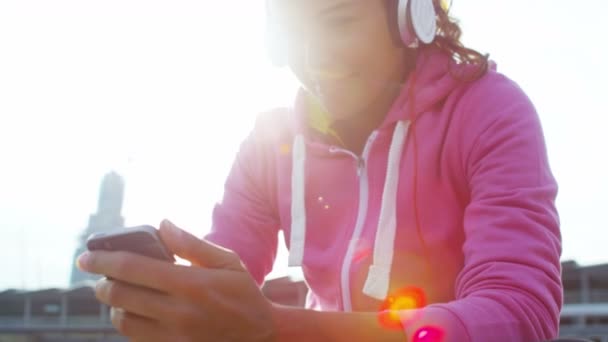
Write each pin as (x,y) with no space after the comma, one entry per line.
(448,41)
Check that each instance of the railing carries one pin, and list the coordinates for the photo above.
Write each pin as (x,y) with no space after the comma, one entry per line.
(595,296)
(572,297)
(585,320)
(598,296)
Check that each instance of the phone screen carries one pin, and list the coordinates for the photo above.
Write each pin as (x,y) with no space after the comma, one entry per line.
(141,240)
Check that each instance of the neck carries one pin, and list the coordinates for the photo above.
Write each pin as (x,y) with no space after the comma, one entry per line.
(355,130)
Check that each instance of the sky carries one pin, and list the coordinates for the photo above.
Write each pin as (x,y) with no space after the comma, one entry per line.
(164,92)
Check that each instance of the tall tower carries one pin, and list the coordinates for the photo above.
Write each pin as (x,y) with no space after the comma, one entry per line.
(108,216)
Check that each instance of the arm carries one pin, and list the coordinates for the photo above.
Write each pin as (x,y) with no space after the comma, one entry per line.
(297,324)
(509,288)
(511,283)
(246,221)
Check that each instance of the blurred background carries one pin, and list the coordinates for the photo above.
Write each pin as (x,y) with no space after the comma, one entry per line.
(155,97)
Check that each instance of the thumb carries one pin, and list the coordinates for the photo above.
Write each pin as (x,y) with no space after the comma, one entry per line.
(199,252)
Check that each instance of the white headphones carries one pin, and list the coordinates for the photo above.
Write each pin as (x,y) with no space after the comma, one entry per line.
(419,15)
(415,22)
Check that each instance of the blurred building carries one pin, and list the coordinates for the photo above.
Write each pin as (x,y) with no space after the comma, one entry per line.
(585,312)
(75,315)
(108,216)
(55,315)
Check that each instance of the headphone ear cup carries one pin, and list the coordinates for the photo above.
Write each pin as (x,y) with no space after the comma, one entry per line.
(393,21)
(417,21)
(408,37)
(424,20)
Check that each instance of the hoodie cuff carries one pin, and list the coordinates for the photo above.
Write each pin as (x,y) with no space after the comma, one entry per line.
(433,323)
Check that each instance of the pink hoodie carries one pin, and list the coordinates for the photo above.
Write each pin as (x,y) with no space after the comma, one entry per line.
(477,231)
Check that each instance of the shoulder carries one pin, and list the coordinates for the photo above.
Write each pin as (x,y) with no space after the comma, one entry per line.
(494,97)
(273,129)
(274,126)
(499,125)
(493,105)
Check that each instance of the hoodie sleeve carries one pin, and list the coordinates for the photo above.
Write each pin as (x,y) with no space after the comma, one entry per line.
(509,288)
(246,220)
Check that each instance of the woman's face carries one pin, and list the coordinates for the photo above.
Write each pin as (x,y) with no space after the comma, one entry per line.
(342,51)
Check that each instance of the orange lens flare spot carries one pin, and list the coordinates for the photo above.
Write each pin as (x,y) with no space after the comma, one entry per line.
(399,308)
(429,334)
(403,303)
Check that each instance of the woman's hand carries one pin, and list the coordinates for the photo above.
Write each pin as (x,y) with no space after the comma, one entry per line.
(215,299)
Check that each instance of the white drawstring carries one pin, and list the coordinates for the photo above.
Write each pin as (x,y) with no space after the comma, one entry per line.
(298,205)
(378,277)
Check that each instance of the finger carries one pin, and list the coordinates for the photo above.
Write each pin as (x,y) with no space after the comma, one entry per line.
(141,301)
(199,252)
(139,270)
(136,327)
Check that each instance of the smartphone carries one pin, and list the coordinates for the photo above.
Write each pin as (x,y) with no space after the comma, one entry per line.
(143,240)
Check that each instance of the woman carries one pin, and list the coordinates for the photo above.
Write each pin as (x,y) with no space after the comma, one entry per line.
(410,179)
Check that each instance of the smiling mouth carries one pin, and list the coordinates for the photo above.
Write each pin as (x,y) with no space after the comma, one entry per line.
(323,76)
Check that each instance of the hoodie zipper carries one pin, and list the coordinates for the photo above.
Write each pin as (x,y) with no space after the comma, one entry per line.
(361,215)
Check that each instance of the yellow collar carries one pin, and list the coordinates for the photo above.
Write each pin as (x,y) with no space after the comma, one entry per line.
(319,119)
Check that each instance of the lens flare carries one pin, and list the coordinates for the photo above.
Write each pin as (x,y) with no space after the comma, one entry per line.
(399,308)
(429,334)
(285,149)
